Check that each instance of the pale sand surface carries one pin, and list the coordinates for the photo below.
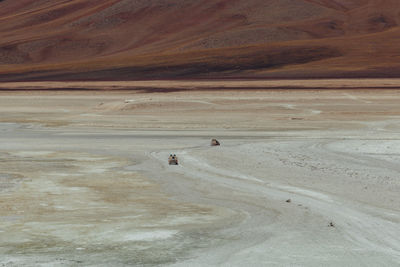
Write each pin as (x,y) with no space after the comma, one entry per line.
(84,179)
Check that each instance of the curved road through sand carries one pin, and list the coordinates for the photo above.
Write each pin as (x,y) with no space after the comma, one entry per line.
(362,233)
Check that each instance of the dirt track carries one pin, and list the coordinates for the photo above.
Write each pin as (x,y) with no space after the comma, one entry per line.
(84,178)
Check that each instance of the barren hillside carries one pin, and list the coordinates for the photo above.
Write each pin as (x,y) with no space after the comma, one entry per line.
(142,39)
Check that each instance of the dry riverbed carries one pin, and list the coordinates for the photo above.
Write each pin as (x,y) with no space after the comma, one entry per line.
(303,177)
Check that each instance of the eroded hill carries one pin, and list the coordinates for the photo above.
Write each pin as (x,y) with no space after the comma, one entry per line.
(139,39)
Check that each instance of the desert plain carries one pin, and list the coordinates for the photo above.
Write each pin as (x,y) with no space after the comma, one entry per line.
(305,176)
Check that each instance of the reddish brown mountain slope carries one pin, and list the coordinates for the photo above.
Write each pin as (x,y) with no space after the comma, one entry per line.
(139,39)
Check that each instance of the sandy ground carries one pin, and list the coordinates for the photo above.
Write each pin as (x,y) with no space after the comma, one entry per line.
(383,83)
(84,179)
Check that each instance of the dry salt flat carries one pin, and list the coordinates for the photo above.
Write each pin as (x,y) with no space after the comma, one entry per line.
(301,178)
